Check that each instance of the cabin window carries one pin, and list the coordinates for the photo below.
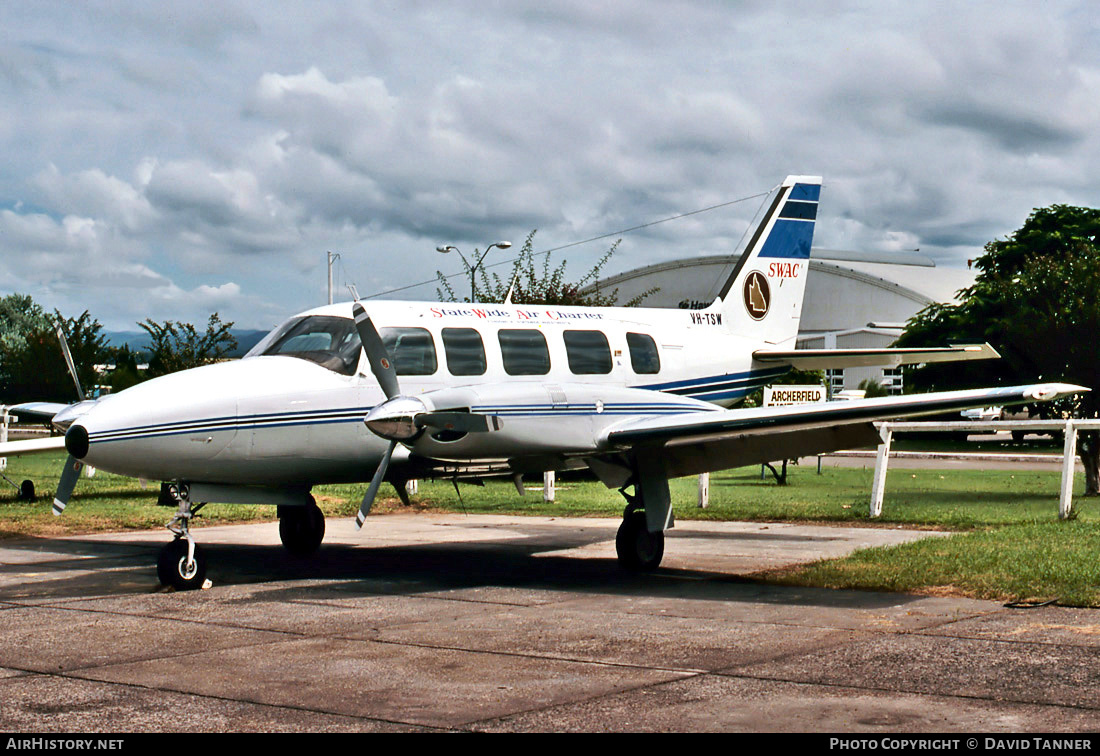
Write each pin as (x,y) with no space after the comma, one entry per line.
(331,342)
(465,351)
(643,353)
(588,352)
(524,351)
(412,350)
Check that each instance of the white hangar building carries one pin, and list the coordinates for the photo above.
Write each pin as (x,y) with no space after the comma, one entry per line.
(853,299)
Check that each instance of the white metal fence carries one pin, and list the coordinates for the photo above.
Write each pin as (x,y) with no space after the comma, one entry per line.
(1069,452)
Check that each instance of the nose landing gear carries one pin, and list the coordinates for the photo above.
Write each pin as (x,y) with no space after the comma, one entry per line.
(181,564)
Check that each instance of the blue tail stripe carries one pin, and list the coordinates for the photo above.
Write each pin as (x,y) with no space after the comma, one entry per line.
(811,192)
(789,238)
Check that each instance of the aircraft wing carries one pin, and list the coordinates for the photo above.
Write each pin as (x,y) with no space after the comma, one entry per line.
(31,446)
(822,359)
(41,412)
(701,442)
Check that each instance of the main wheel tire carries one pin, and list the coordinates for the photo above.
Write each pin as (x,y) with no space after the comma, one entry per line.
(637,548)
(302,529)
(26,490)
(173,570)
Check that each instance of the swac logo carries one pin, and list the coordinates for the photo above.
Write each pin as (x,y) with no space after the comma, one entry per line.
(758,296)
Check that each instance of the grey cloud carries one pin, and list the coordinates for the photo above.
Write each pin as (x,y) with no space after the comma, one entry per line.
(92,193)
(1017,132)
(238,141)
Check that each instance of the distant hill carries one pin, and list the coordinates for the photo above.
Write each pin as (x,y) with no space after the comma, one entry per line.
(140,341)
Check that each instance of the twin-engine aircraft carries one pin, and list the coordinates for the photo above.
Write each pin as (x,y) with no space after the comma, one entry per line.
(406,390)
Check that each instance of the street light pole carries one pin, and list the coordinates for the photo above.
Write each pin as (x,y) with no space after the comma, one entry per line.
(332,257)
(473,268)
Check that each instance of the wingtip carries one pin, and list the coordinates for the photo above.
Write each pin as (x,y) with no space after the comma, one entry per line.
(1049,391)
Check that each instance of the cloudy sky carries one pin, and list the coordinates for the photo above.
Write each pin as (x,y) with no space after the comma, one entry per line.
(172,159)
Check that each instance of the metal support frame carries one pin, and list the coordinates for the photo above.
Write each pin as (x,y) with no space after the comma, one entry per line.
(882,461)
(4,416)
(1069,452)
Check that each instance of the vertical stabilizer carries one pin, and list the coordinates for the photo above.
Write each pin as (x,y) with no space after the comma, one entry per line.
(762,298)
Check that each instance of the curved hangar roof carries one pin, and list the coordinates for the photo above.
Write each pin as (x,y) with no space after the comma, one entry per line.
(845,289)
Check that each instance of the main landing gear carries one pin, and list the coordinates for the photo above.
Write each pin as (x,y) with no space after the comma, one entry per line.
(302,528)
(638,549)
(181,563)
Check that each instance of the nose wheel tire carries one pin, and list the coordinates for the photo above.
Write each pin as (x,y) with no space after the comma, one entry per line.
(173,568)
(302,529)
(638,549)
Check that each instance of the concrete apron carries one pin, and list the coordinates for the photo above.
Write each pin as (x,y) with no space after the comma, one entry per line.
(453,622)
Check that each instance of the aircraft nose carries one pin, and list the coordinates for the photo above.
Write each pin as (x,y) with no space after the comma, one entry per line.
(76,440)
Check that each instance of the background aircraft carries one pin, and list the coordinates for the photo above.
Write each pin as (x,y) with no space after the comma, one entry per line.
(422,389)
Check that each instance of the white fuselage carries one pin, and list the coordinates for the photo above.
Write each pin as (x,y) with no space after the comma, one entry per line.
(279,420)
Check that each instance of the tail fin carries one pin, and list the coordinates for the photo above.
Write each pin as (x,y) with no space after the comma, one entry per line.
(763,295)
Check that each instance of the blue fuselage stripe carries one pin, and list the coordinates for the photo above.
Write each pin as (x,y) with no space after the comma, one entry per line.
(711,388)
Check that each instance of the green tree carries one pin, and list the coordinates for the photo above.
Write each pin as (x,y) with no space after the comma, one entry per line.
(1036,299)
(533,284)
(34,368)
(125,373)
(179,346)
(19,314)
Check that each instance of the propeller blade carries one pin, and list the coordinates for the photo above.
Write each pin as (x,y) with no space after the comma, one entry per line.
(65,486)
(377,354)
(68,358)
(375,484)
(461,422)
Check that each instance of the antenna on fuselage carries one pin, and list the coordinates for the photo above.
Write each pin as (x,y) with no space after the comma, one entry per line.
(511,288)
(353,290)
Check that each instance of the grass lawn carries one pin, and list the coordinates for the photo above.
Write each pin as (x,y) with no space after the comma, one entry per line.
(1011,544)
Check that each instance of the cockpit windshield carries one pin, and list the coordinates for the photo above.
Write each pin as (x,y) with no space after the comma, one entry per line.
(329,341)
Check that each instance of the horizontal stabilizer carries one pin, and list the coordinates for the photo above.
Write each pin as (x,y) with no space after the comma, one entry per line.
(827,359)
